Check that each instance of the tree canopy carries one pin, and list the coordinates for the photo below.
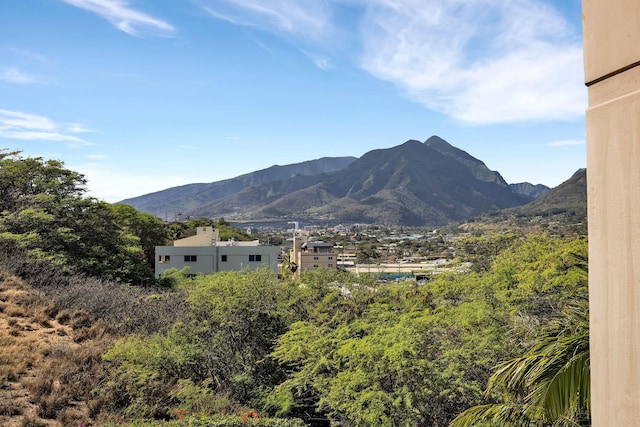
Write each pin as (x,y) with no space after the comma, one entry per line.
(348,350)
(46,218)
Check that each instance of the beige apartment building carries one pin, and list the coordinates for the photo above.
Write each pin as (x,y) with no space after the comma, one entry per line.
(312,255)
(205,253)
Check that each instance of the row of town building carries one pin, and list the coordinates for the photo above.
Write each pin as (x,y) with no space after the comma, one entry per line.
(205,253)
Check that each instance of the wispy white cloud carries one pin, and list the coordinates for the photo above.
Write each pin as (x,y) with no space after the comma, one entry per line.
(35,56)
(98,156)
(478,61)
(15,76)
(32,127)
(305,18)
(77,128)
(20,120)
(321,61)
(566,142)
(124,17)
(38,135)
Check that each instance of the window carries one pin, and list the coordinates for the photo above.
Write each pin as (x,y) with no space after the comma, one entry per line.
(315,258)
(164,258)
(256,258)
(330,257)
(190,258)
(223,258)
(330,265)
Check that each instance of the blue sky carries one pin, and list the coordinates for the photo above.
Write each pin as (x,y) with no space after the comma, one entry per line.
(143,95)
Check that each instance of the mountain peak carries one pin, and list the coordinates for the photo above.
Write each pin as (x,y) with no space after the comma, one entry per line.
(435,140)
(410,143)
(580,173)
(478,167)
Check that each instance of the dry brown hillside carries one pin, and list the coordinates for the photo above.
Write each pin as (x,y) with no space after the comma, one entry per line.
(49,359)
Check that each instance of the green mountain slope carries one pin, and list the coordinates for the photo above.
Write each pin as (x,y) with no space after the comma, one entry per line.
(568,197)
(414,183)
(187,198)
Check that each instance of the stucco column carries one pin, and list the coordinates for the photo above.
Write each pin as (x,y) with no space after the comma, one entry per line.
(611,35)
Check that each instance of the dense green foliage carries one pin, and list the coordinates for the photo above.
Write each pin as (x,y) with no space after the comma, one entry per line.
(214,357)
(47,219)
(207,420)
(332,346)
(549,384)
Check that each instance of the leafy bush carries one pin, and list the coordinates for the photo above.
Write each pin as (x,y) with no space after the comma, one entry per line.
(202,420)
(213,358)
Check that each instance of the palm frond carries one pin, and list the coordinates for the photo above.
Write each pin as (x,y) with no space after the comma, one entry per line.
(496,414)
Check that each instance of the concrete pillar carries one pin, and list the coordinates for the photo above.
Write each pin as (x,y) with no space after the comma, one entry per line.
(611,34)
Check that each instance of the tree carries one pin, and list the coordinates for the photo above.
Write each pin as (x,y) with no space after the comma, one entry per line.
(46,219)
(22,178)
(550,384)
(401,355)
(481,250)
(219,347)
(380,357)
(237,316)
(148,228)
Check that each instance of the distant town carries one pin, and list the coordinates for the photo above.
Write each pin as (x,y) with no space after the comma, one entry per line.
(388,253)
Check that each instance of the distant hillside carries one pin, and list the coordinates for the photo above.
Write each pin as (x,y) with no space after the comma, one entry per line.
(414,183)
(529,191)
(187,198)
(568,197)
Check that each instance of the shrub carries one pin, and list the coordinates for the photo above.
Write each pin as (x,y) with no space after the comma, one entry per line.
(16,311)
(204,420)
(33,421)
(42,319)
(72,417)
(11,408)
(39,387)
(64,317)
(51,405)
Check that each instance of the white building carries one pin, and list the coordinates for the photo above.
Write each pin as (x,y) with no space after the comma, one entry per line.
(205,253)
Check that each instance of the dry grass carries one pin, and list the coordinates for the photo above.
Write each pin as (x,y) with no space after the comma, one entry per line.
(51,344)
(11,408)
(64,317)
(50,359)
(15,311)
(17,355)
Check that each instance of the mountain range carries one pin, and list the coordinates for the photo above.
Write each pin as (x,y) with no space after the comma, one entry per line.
(415,183)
